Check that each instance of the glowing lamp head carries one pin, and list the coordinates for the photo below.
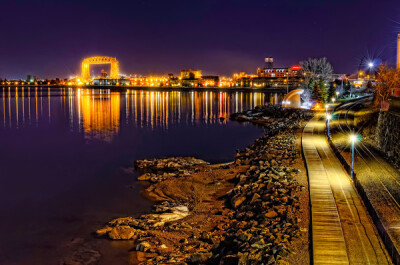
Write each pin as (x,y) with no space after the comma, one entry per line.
(329,117)
(353,138)
(370,64)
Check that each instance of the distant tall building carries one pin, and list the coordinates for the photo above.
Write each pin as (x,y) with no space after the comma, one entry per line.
(398,51)
(29,78)
(269,62)
(190,74)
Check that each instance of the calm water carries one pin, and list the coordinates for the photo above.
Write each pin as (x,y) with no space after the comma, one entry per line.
(64,155)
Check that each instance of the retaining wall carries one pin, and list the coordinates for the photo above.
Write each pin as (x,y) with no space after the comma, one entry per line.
(387,135)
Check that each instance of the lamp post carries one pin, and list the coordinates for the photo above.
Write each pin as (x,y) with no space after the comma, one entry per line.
(328,118)
(326,109)
(370,66)
(353,139)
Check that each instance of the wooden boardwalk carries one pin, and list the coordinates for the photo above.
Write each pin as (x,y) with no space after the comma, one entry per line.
(342,230)
(328,243)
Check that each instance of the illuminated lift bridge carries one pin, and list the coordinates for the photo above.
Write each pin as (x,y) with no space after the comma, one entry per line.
(100,60)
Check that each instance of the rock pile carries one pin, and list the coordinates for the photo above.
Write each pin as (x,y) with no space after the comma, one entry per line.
(265,204)
(161,169)
(271,111)
(168,164)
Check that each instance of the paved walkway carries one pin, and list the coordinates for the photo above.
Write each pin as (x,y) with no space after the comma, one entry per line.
(342,231)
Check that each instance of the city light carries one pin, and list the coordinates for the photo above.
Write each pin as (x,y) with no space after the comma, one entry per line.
(353,138)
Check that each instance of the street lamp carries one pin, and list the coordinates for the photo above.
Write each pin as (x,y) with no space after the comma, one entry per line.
(287,82)
(353,140)
(333,100)
(371,67)
(326,109)
(328,118)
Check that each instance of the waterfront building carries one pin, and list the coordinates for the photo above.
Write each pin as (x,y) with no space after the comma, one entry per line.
(209,81)
(190,74)
(190,82)
(270,77)
(362,79)
(105,80)
(149,81)
(174,81)
(226,82)
(269,62)
(29,79)
(238,76)
(244,81)
(291,72)
(100,81)
(190,78)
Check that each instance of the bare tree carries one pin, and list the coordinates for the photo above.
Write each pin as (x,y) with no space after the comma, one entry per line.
(387,78)
(317,68)
(306,95)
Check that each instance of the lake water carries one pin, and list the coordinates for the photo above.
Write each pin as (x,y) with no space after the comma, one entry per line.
(64,155)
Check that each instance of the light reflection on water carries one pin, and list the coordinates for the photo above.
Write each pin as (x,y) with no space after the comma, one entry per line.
(98,113)
(62,151)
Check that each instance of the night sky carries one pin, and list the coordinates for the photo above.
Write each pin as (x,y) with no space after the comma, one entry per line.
(49,38)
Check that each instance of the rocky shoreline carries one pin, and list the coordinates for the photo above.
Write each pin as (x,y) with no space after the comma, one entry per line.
(244,212)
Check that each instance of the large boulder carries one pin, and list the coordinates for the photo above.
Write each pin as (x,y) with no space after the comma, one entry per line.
(122,232)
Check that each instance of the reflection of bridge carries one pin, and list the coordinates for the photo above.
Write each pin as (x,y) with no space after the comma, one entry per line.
(114,73)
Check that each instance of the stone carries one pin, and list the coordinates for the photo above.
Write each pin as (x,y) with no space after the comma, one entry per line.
(205,236)
(237,201)
(244,237)
(230,260)
(145,177)
(271,214)
(124,221)
(122,232)
(103,231)
(143,246)
(244,259)
(256,196)
(284,252)
(199,257)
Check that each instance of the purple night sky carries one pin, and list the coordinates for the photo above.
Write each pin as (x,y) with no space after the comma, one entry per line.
(49,38)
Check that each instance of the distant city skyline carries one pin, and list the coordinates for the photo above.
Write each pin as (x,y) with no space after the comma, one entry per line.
(49,40)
